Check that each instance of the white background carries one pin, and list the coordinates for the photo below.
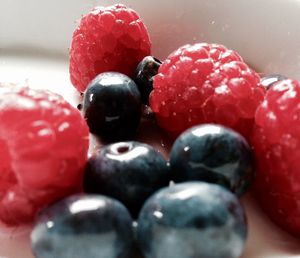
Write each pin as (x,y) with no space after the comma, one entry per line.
(266,33)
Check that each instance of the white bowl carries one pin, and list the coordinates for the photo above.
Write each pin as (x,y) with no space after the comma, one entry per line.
(265,33)
(35,36)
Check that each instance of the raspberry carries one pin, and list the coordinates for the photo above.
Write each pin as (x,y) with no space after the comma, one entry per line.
(276,140)
(43,151)
(107,39)
(205,83)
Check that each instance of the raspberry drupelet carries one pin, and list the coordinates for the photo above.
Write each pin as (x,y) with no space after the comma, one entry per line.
(205,83)
(43,151)
(276,141)
(107,39)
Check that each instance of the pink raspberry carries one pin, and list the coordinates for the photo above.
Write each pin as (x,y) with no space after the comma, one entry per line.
(107,39)
(205,83)
(276,141)
(43,151)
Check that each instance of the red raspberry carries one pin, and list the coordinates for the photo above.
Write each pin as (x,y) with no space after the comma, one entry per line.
(107,39)
(43,151)
(205,83)
(276,141)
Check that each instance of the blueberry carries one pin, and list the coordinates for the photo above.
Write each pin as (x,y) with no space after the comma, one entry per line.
(270,80)
(127,171)
(214,154)
(195,219)
(89,226)
(144,74)
(112,106)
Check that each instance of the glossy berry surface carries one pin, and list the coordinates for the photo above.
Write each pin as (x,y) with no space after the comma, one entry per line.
(205,83)
(112,38)
(214,154)
(144,74)
(276,141)
(43,145)
(192,220)
(112,106)
(90,226)
(269,80)
(127,171)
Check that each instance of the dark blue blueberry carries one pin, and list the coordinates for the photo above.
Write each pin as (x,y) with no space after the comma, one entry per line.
(112,106)
(144,74)
(270,80)
(214,154)
(192,220)
(89,226)
(127,171)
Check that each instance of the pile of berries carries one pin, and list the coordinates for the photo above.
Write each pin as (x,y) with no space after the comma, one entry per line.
(203,94)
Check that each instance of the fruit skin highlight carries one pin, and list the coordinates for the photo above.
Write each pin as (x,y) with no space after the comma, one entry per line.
(213,154)
(89,226)
(205,83)
(43,143)
(194,219)
(276,141)
(271,79)
(112,38)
